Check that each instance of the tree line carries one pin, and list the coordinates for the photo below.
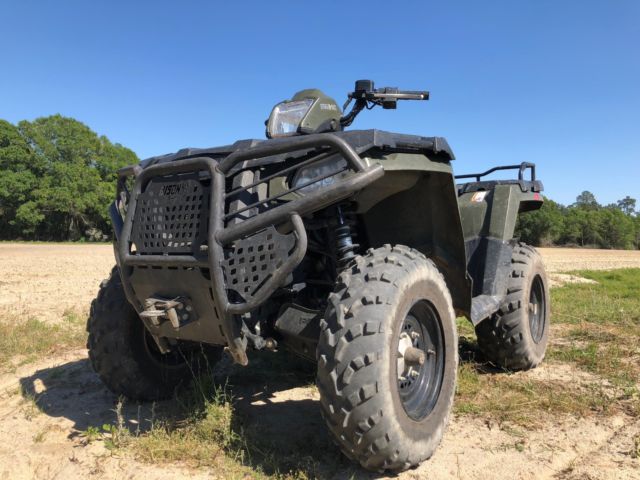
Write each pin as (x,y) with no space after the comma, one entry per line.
(58,177)
(585,223)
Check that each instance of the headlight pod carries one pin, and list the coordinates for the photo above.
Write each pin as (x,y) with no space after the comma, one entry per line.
(286,117)
(320,174)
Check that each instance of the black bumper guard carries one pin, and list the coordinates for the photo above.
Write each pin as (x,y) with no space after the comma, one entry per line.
(218,235)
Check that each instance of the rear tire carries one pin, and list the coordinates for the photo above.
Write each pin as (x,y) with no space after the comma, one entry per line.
(516,336)
(125,356)
(376,415)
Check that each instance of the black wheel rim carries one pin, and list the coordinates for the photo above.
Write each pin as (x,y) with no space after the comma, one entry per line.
(419,384)
(537,309)
(171,360)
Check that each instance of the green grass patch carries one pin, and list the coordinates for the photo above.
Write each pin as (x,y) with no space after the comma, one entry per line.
(614,300)
(196,430)
(205,437)
(465,329)
(201,429)
(595,328)
(23,341)
(600,325)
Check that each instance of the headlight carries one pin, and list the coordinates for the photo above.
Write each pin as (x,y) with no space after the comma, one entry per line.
(286,117)
(320,174)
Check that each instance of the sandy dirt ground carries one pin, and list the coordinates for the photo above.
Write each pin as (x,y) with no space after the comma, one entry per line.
(567,259)
(45,281)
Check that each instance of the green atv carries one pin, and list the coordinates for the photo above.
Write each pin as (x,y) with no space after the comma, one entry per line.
(354,249)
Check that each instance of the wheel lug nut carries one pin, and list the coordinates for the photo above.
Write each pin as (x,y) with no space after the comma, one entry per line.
(415,335)
(431,352)
(414,356)
(414,373)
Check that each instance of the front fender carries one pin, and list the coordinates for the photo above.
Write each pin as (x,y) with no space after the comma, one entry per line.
(415,204)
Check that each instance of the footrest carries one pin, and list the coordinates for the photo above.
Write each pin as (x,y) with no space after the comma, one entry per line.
(484,306)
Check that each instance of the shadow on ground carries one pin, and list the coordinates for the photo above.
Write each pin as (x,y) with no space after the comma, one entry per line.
(73,391)
(276,410)
(470,354)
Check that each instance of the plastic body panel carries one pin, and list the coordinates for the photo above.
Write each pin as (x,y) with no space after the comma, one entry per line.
(489,212)
(415,204)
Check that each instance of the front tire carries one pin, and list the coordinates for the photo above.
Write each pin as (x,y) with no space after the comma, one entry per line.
(385,409)
(125,356)
(516,336)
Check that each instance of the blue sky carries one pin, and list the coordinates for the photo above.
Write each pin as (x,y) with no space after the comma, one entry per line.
(552,82)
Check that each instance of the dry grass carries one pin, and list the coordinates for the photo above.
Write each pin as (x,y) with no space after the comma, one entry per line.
(25,341)
(513,398)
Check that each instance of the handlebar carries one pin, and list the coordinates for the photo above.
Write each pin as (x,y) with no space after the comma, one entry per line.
(386,97)
(365,90)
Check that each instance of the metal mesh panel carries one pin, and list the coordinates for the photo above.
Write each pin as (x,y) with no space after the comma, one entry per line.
(171,216)
(252,260)
(251,192)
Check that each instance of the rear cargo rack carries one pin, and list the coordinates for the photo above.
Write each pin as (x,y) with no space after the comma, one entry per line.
(521,169)
(531,185)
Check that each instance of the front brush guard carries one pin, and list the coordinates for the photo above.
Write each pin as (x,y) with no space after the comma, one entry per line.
(218,235)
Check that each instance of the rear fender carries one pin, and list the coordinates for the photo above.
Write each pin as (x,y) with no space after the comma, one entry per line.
(488,221)
(493,213)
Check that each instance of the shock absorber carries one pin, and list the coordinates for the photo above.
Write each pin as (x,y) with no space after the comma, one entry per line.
(344,238)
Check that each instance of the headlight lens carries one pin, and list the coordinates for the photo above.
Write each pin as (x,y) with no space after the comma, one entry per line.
(325,173)
(286,117)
